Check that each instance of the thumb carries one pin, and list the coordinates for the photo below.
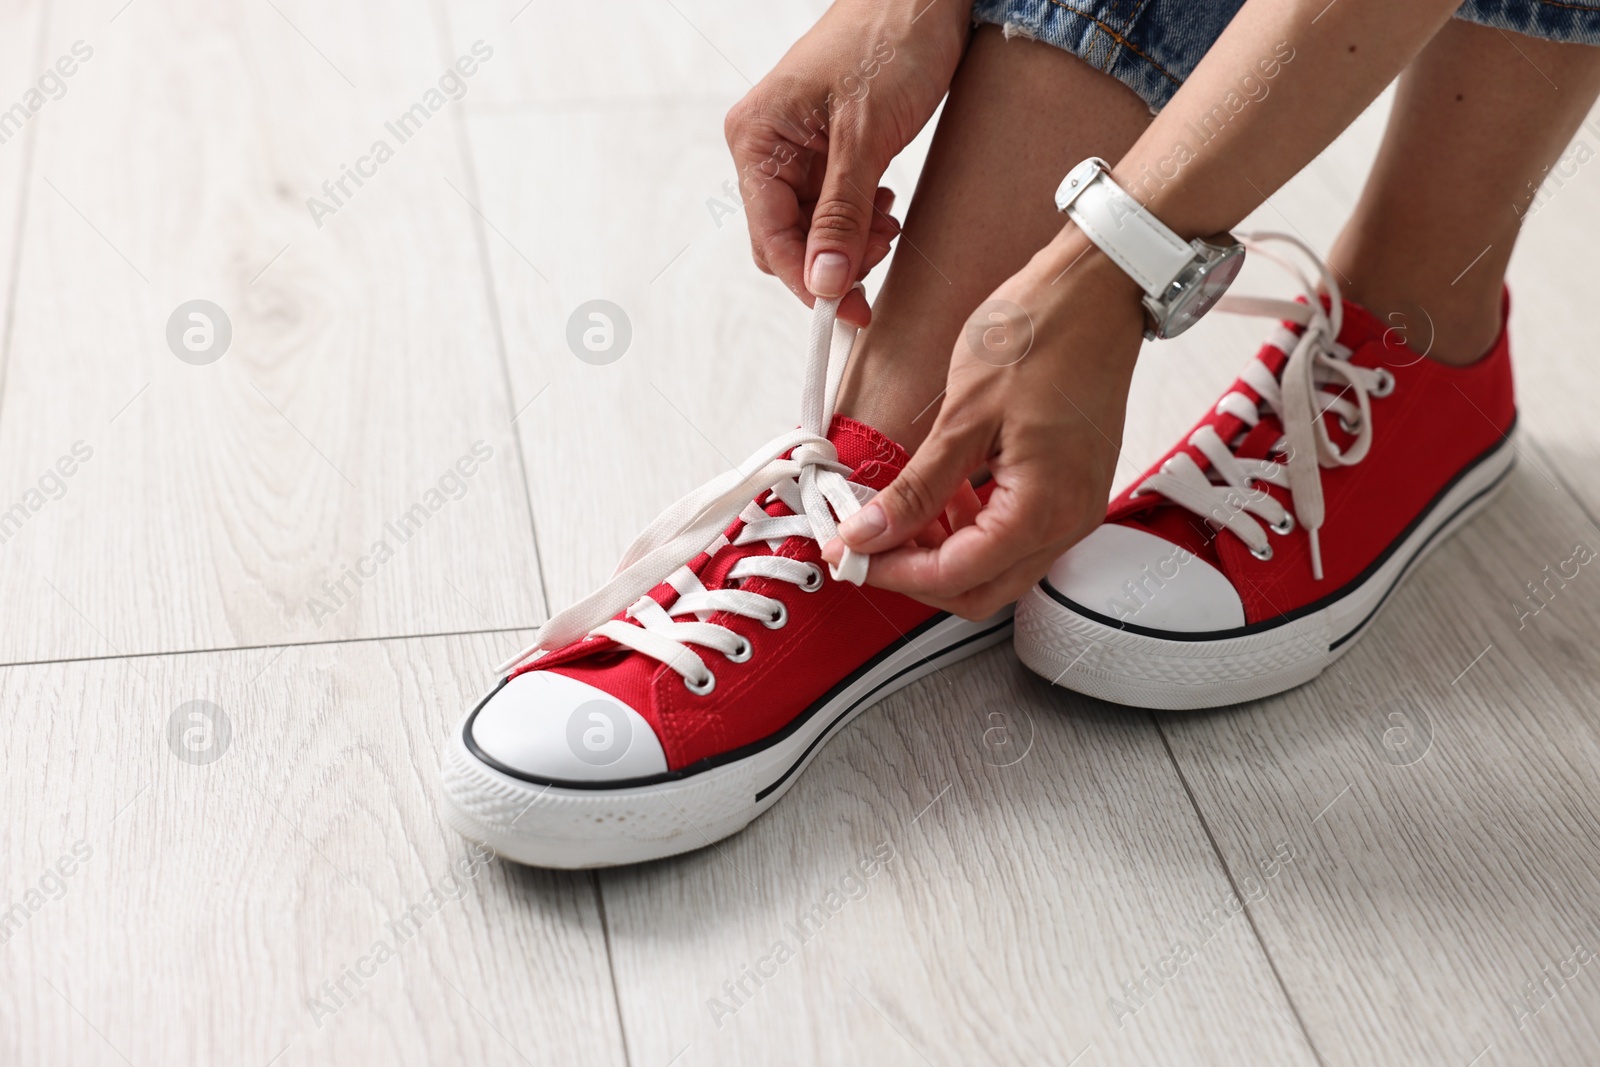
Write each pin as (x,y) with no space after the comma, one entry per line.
(917,496)
(842,220)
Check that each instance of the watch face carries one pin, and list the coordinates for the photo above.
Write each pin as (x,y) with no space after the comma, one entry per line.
(1199,289)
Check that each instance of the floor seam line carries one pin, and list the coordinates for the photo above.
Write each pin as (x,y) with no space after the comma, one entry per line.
(267,648)
(611,966)
(1233,886)
(486,271)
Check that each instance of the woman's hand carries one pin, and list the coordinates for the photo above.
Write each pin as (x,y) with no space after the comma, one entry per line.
(1037,392)
(812,140)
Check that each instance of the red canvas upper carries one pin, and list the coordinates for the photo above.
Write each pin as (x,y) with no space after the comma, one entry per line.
(830,633)
(1437,420)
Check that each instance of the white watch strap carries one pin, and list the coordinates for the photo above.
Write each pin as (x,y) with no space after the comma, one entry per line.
(1136,241)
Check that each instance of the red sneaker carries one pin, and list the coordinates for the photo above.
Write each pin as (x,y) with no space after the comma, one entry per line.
(1257,551)
(679,702)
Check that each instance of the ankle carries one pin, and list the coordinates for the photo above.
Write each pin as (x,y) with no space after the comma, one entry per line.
(1455,329)
(893,387)
(1438,292)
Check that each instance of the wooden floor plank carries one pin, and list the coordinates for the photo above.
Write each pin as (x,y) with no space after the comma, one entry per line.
(205,904)
(1441,783)
(1043,881)
(24,64)
(235,503)
(592,57)
(712,370)
(971,873)
(1433,892)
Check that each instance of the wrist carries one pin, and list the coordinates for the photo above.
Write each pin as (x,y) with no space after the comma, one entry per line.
(1072,262)
(1072,289)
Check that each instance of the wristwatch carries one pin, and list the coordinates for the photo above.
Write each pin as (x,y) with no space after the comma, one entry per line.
(1182,280)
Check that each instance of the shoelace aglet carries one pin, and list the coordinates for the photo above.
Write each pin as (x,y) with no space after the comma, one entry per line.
(1316,553)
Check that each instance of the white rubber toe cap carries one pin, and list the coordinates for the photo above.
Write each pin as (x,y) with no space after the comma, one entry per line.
(1138,578)
(550,726)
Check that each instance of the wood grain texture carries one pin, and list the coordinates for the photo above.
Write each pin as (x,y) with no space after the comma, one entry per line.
(220,499)
(1042,850)
(21,34)
(1041,853)
(594,57)
(216,899)
(713,367)
(1433,891)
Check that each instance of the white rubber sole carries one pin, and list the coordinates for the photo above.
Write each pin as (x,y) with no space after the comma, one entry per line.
(549,825)
(1144,670)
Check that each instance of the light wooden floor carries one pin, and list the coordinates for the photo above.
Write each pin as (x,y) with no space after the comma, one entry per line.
(1064,898)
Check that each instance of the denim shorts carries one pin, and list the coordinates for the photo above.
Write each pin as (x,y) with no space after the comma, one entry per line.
(1151,46)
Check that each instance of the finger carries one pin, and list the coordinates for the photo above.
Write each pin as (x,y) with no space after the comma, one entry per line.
(934,578)
(932,535)
(920,493)
(885,228)
(855,310)
(842,218)
(964,508)
(1006,531)
(775,219)
(986,600)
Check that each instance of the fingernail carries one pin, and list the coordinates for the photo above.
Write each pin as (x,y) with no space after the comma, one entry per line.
(830,274)
(833,551)
(865,524)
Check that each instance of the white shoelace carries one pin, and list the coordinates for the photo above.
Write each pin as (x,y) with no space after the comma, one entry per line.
(811,482)
(1318,371)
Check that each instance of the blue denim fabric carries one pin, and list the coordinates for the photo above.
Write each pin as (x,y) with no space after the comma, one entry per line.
(1151,46)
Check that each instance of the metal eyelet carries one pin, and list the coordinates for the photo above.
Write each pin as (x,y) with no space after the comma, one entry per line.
(1263,555)
(813,580)
(1351,428)
(1284,528)
(742,653)
(1385,384)
(779,618)
(703,687)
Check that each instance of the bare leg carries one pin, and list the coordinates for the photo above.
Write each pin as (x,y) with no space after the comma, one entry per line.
(984,205)
(1479,117)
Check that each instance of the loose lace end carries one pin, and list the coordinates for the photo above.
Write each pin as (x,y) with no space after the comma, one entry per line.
(852,568)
